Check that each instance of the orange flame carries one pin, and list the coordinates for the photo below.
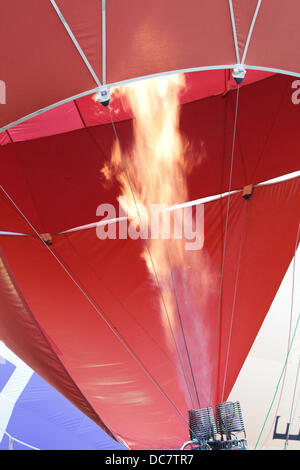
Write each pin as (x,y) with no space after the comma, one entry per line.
(156,172)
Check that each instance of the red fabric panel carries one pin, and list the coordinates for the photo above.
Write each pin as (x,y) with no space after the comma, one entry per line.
(10,218)
(107,375)
(85,21)
(275,40)
(157,36)
(114,276)
(21,332)
(62,172)
(267,123)
(13,181)
(4,138)
(39,63)
(64,118)
(71,116)
(243,15)
(198,85)
(266,226)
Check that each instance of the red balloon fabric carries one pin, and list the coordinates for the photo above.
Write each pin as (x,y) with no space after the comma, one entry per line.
(86,314)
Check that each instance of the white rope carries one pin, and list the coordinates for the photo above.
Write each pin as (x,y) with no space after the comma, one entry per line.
(241,62)
(280,179)
(103,42)
(136,79)
(195,202)
(250,31)
(234,32)
(75,42)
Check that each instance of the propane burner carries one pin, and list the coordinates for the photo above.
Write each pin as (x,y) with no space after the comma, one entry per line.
(219,432)
(229,419)
(202,424)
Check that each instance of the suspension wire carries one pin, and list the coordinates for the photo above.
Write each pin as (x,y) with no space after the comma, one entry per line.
(289,335)
(294,396)
(119,301)
(224,243)
(14,439)
(100,307)
(182,328)
(150,254)
(98,304)
(242,238)
(92,138)
(292,408)
(98,310)
(278,383)
(269,133)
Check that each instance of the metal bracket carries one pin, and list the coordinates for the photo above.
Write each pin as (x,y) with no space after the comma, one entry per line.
(286,435)
(103,95)
(239,73)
